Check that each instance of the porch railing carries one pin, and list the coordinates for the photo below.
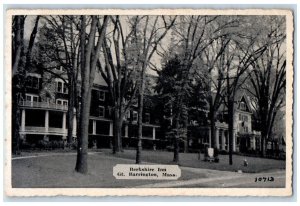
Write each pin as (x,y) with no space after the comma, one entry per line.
(45,105)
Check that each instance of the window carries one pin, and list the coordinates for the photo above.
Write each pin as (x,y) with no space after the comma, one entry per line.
(32,98)
(101,111)
(134,116)
(28,98)
(243,118)
(59,87)
(32,82)
(62,102)
(127,115)
(35,82)
(147,118)
(242,106)
(101,95)
(65,89)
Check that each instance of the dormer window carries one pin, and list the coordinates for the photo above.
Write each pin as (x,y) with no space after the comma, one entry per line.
(32,82)
(243,106)
(61,87)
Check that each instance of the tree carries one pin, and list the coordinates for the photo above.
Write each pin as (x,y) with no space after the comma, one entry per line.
(59,47)
(191,37)
(151,37)
(125,71)
(21,61)
(267,80)
(90,46)
(214,70)
(243,50)
(169,85)
(120,72)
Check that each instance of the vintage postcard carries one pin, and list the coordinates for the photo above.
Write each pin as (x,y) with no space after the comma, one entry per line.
(149,102)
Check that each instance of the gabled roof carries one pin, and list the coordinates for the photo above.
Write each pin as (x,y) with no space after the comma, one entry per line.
(241,96)
(99,79)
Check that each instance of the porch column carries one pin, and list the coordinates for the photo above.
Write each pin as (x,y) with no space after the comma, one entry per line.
(110,129)
(46,120)
(223,140)
(64,126)
(64,122)
(254,143)
(74,126)
(209,137)
(217,138)
(234,141)
(126,130)
(23,120)
(94,127)
(153,133)
(227,140)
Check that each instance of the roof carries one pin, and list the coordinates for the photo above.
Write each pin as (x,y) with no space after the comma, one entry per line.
(99,79)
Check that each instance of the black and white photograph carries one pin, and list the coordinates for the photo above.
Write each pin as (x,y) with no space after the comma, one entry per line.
(181,101)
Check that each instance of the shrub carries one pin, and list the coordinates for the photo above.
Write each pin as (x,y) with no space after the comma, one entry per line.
(72,145)
(25,145)
(57,144)
(43,144)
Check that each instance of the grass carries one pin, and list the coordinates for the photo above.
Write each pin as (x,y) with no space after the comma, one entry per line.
(57,171)
(255,164)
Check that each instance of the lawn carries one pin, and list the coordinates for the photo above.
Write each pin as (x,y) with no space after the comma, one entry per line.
(255,164)
(57,170)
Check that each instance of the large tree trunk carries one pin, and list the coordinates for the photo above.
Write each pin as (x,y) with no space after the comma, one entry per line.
(230,128)
(263,124)
(140,119)
(185,128)
(15,125)
(20,64)
(18,79)
(140,130)
(212,118)
(81,164)
(263,144)
(18,43)
(117,132)
(176,140)
(71,105)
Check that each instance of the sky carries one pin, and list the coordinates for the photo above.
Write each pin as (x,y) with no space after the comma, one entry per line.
(156,59)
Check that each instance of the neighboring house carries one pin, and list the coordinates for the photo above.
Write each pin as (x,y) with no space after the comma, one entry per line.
(245,138)
(44,113)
